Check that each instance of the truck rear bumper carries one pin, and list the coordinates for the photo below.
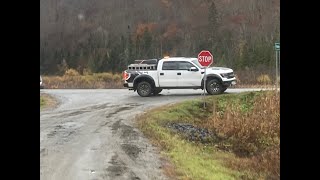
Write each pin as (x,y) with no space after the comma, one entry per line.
(128,85)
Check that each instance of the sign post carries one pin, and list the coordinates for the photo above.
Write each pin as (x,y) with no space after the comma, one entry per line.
(205,58)
(277,49)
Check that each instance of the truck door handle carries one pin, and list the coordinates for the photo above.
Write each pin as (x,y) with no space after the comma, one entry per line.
(161,74)
(178,73)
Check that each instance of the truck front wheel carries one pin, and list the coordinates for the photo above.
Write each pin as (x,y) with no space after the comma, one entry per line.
(224,88)
(144,89)
(214,87)
(156,91)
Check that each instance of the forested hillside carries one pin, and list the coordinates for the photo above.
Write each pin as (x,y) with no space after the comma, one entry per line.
(106,35)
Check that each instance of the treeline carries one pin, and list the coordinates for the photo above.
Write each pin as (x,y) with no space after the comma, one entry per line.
(105,36)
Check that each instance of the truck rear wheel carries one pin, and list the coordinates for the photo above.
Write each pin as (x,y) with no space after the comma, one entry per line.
(144,89)
(214,87)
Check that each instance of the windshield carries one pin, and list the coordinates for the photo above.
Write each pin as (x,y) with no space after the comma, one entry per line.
(197,63)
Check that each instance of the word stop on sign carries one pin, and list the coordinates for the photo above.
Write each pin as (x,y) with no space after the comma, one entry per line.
(205,58)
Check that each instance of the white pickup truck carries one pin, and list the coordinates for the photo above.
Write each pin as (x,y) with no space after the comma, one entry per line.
(149,77)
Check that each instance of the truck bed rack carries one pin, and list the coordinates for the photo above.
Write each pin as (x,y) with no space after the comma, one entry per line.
(142,67)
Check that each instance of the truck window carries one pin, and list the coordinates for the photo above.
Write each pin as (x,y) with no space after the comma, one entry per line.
(185,65)
(169,65)
(197,63)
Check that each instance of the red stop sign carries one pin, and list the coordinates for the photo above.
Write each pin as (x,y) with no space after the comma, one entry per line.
(205,58)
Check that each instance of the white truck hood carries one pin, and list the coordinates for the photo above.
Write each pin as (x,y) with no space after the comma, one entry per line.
(218,70)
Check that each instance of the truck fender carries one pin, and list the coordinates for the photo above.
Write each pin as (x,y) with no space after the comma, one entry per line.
(142,77)
(210,76)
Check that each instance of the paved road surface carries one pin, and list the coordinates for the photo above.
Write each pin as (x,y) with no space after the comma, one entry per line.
(91,134)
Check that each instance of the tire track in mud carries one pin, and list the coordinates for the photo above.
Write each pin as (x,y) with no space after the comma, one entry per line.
(110,116)
(75,112)
(119,169)
(60,129)
(64,115)
(127,137)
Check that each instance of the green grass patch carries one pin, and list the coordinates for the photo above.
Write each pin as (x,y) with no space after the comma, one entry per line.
(231,116)
(42,102)
(191,161)
(47,101)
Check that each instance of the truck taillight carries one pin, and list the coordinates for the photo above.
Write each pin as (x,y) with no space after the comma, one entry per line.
(125,75)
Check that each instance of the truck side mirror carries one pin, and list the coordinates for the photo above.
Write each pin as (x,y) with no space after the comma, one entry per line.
(193,69)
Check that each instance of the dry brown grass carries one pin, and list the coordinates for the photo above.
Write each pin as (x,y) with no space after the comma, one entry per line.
(251,127)
(255,77)
(247,126)
(47,101)
(169,169)
(73,80)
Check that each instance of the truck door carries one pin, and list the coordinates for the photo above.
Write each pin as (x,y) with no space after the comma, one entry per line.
(188,78)
(168,74)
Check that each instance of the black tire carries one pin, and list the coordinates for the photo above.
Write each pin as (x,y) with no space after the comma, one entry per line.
(156,91)
(214,87)
(144,89)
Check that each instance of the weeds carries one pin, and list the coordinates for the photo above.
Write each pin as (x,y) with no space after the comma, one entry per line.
(251,124)
(255,78)
(264,79)
(47,101)
(247,127)
(73,80)
(86,79)
(42,102)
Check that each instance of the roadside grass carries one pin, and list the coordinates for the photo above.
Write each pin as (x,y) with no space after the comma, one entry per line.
(47,101)
(189,160)
(42,102)
(256,76)
(249,127)
(73,80)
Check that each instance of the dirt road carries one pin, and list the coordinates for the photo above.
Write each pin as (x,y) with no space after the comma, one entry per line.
(91,135)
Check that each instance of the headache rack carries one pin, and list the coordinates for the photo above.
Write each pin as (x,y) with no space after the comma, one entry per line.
(147,64)
(141,67)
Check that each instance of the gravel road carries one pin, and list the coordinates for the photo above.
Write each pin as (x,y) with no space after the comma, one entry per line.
(91,134)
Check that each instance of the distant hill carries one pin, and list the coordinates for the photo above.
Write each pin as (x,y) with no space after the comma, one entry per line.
(105,35)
